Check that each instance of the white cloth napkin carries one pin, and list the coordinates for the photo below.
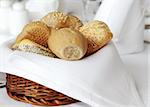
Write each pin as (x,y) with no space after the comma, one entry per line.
(126,20)
(99,79)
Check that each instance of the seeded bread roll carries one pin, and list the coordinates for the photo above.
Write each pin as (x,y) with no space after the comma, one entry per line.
(97,33)
(67,44)
(29,46)
(73,22)
(59,20)
(55,19)
(37,32)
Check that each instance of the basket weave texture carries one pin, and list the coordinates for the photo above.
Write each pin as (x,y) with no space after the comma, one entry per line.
(27,91)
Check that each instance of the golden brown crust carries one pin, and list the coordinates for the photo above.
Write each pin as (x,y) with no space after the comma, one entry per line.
(35,31)
(27,45)
(55,19)
(67,44)
(59,20)
(70,39)
(73,22)
(97,33)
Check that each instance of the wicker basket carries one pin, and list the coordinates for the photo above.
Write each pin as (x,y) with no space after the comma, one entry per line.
(27,91)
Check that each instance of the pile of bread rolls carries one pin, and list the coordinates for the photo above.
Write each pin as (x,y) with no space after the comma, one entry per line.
(63,36)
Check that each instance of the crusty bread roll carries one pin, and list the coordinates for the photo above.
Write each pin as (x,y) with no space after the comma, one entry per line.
(55,19)
(97,33)
(35,31)
(27,45)
(67,44)
(73,22)
(59,20)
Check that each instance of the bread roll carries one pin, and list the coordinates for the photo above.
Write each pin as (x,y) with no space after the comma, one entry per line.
(35,31)
(73,22)
(67,44)
(60,20)
(97,33)
(55,19)
(29,46)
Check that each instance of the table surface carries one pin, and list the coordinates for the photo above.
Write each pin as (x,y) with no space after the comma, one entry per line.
(136,63)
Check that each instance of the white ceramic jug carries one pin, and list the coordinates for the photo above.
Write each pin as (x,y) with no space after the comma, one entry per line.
(18,18)
(5,8)
(126,20)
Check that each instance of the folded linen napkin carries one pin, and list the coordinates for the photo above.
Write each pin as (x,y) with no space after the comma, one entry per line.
(99,79)
(126,20)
